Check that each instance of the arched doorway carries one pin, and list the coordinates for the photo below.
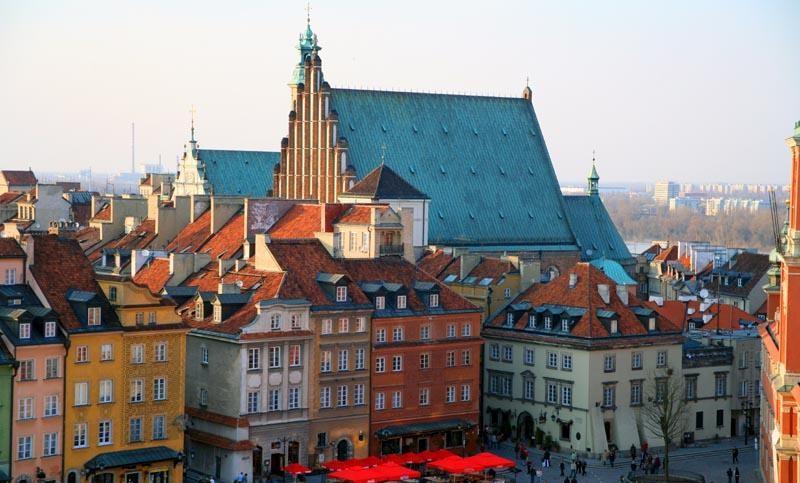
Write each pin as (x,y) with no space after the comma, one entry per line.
(72,477)
(342,450)
(525,427)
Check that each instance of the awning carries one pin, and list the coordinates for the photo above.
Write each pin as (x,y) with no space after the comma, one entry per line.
(4,476)
(116,459)
(420,428)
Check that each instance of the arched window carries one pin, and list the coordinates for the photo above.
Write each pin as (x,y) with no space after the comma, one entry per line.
(275,322)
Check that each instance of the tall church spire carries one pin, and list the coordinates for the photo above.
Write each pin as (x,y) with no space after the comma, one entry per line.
(593,179)
(307,46)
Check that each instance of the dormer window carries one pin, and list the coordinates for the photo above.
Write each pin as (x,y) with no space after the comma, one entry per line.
(739,282)
(94,316)
(24,330)
(341,293)
(295,322)
(275,322)
(614,327)
(380,302)
(218,313)
(14,301)
(401,301)
(548,322)
(531,321)
(434,300)
(198,310)
(50,329)
(651,324)
(509,319)
(692,325)
(565,325)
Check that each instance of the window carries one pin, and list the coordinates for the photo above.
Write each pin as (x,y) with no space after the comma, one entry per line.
(528,389)
(344,363)
(106,352)
(552,360)
(358,395)
(530,356)
(25,408)
(380,400)
(698,420)
(325,397)
(552,392)
(137,390)
(135,430)
(137,354)
(661,388)
(450,359)
(565,325)
(450,394)
(198,309)
(81,393)
(325,361)
(548,322)
(636,361)
(106,391)
(424,361)
(466,330)
(159,389)
(510,319)
(27,370)
(508,353)
(204,355)
(720,418)
(531,321)
(566,395)
(690,387)
(274,400)
(25,447)
(494,352)
(500,384)
(341,396)
(507,293)
(112,294)
(327,326)
(397,334)
(275,322)
(361,324)
(380,336)
(466,392)
(609,395)
(50,444)
(451,331)
(614,327)
(294,398)
(397,399)
(397,363)
(203,396)
(160,352)
(104,433)
(466,357)
(566,362)
(609,363)
(294,322)
(51,405)
(636,393)
(425,332)
(344,325)
(51,368)
(661,359)
(295,355)
(380,302)
(743,360)
(274,357)
(253,401)
(360,357)
(24,330)
(720,384)
(79,435)
(424,396)
(81,353)
(341,293)
(454,439)
(159,427)
(11,276)
(94,316)
(743,388)
(217,315)
(151,318)
(253,358)
(434,300)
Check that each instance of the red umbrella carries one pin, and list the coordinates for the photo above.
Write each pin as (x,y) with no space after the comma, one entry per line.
(441,454)
(490,460)
(296,469)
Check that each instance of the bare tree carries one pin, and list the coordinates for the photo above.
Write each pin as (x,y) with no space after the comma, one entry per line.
(663,411)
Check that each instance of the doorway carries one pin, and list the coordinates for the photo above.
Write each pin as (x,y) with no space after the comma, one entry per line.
(258,461)
(342,450)
(607,426)
(733,427)
(132,477)
(422,445)
(276,463)
(293,452)
(525,427)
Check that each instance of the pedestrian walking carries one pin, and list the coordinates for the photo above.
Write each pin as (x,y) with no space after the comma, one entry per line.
(546,459)
(244,479)
(736,475)
(735,455)
(240,477)
(657,464)
(561,467)
(573,469)
(605,456)
(583,467)
(633,467)
(517,450)
(730,475)
(633,452)
(612,457)
(529,466)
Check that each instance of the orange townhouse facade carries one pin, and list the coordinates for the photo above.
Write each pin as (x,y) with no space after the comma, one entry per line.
(780,404)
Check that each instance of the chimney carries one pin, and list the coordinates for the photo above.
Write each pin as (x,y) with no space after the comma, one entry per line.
(605,292)
(228,288)
(224,265)
(239,264)
(262,251)
(247,250)
(468,262)
(573,280)
(138,259)
(622,293)
(407,236)
(530,272)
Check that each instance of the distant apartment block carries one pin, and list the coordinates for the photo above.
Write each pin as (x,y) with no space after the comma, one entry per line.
(664,190)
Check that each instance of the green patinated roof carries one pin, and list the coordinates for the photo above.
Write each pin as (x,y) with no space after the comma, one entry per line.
(116,459)
(593,174)
(614,271)
(239,173)
(482,160)
(428,427)
(594,230)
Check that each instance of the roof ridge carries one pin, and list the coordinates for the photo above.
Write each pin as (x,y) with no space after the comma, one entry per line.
(428,93)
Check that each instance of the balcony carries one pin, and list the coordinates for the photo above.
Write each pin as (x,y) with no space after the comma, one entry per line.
(391,250)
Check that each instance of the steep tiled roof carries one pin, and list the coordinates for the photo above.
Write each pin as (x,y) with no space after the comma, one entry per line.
(383,183)
(667,254)
(715,316)
(9,248)
(490,267)
(435,262)
(104,214)
(481,159)
(9,197)
(358,215)
(19,177)
(397,270)
(755,265)
(59,266)
(87,237)
(227,241)
(594,230)
(137,239)
(154,275)
(242,173)
(193,235)
(300,221)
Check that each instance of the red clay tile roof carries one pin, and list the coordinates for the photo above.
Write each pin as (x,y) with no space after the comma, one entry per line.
(137,239)
(60,265)
(729,317)
(667,254)
(146,181)
(227,241)
(492,268)
(674,310)
(9,248)
(357,215)
(300,221)
(10,197)
(154,275)
(19,177)
(104,214)
(193,235)
(435,262)
(397,270)
(585,295)
(755,264)
(87,237)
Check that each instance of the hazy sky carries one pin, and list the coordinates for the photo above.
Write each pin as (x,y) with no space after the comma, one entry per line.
(690,90)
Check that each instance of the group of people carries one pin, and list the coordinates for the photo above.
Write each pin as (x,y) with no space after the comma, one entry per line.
(577,466)
(647,462)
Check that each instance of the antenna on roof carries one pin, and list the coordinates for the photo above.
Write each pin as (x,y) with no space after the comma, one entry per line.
(308,13)
(192,111)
